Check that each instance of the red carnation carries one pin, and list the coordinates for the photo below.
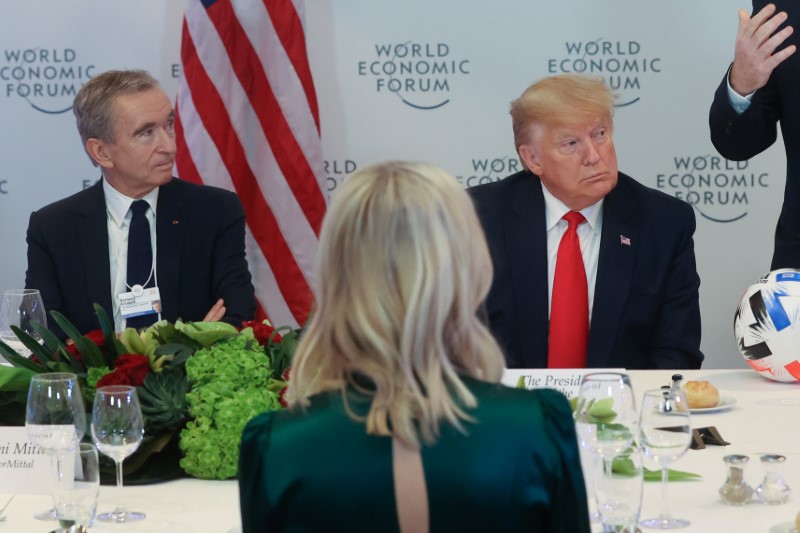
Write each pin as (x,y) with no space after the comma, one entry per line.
(282,397)
(129,369)
(262,332)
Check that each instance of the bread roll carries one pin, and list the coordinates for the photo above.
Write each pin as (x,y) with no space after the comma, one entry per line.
(701,394)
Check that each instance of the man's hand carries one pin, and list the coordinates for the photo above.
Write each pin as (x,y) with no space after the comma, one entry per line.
(216,313)
(754,58)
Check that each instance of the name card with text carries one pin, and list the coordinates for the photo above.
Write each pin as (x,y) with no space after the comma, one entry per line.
(567,380)
(24,467)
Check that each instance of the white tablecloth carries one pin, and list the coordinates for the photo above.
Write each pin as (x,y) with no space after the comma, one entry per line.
(763,420)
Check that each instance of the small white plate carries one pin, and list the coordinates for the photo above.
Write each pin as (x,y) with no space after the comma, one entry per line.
(725,402)
(786,527)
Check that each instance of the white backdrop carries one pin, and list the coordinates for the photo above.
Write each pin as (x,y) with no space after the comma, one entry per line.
(426,81)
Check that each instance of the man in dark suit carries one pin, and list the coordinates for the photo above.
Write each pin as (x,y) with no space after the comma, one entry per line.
(636,253)
(760,89)
(191,236)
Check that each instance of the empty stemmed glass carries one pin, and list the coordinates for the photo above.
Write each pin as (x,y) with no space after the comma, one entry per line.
(55,419)
(20,308)
(665,434)
(117,430)
(605,419)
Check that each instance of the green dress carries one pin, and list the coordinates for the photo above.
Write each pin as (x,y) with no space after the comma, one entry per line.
(518,469)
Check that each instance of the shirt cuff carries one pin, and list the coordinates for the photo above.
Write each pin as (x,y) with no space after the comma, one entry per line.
(738,102)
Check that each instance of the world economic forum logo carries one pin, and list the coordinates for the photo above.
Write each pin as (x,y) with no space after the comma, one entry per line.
(719,189)
(47,78)
(488,169)
(621,63)
(420,74)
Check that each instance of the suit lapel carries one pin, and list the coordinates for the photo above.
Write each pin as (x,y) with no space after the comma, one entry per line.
(618,242)
(93,238)
(526,246)
(170,227)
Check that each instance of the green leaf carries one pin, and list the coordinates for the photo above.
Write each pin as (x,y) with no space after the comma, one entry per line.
(90,353)
(207,333)
(17,360)
(113,345)
(13,379)
(673,475)
(42,353)
(180,353)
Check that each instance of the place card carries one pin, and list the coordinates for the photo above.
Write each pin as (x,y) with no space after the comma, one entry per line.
(565,380)
(24,467)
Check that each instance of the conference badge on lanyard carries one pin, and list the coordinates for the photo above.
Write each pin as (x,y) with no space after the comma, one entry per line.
(139,301)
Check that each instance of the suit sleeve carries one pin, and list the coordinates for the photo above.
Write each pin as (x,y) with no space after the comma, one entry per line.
(676,338)
(231,277)
(741,136)
(41,273)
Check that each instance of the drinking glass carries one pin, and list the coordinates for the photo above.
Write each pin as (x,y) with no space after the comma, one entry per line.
(21,307)
(117,430)
(77,487)
(618,494)
(605,421)
(665,434)
(55,419)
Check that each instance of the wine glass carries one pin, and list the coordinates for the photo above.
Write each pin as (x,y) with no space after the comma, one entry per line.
(55,419)
(117,430)
(619,494)
(665,434)
(21,307)
(605,420)
(77,487)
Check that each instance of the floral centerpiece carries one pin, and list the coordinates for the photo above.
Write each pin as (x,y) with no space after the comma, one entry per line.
(199,383)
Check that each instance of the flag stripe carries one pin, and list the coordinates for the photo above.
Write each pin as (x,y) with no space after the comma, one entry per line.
(287,25)
(287,152)
(247,120)
(300,235)
(284,80)
(271,301)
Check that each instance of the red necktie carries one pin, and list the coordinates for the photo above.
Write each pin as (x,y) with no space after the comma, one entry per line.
(569,310)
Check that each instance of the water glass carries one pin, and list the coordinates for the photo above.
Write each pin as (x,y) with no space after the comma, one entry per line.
(76,487)
(619,493)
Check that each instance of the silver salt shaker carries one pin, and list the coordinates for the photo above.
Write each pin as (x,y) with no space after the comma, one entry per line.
(773,490)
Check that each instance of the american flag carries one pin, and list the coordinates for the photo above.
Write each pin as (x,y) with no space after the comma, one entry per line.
(247,121)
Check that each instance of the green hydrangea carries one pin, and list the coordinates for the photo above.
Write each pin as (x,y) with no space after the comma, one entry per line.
(229,387)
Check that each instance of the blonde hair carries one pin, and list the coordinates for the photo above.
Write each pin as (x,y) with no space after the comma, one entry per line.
(402,268)
(558,101)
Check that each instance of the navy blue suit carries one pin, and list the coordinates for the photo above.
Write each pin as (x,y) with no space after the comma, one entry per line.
(200,254)
(646,312)
(740,137)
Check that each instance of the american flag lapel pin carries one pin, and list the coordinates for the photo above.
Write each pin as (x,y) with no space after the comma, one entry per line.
(625,241)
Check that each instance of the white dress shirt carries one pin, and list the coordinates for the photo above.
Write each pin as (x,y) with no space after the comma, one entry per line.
(589,234)
(738,102)
(118,210)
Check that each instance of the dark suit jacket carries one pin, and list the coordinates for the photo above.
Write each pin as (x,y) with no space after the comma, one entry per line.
(200,254)
(516,469)
(645,313)
(740,137)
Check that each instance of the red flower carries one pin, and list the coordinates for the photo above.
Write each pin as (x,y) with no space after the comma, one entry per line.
(262,332)
(282,397)
(96,336)
(285,375)
(129,369)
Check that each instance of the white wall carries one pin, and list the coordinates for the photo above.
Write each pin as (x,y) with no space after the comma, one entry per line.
(470,58)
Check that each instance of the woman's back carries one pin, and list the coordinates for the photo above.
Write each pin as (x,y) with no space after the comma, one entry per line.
(517,469)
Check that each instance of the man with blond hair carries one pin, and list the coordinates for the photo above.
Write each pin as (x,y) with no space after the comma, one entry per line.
(592,269)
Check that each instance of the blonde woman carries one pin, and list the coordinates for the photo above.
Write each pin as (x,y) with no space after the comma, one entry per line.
(396,419)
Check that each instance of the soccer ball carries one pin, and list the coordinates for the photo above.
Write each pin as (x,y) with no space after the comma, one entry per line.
(767,325)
